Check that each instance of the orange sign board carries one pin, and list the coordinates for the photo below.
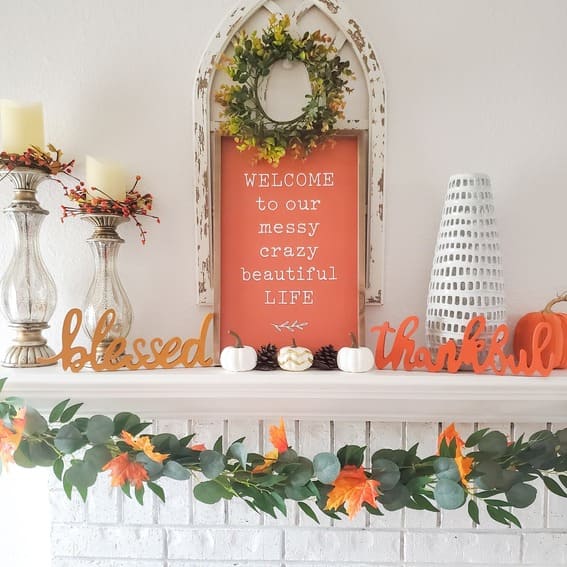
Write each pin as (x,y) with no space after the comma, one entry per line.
(288,253)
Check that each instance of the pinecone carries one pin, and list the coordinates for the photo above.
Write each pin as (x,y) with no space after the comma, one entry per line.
(326,358)
(267,357)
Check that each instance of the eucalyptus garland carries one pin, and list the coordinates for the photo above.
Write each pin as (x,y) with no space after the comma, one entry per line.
(496,472)
(244,117)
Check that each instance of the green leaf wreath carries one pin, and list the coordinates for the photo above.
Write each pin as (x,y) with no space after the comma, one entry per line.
(497,473)
(244,117)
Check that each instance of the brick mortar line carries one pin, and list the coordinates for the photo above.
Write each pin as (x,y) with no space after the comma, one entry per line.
(241,527)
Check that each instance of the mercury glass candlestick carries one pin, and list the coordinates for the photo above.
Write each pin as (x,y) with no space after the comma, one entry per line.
(27,290)
(106,290)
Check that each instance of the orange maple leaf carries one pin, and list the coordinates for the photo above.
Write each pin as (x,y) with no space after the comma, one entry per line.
(10,437)
(123,469)
(143,444)
(352,488)
(464,464)
(278,437)
(447,435)
(269,459)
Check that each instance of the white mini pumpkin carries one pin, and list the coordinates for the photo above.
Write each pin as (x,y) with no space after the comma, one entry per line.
(238,358)
(355,358)
(295,358)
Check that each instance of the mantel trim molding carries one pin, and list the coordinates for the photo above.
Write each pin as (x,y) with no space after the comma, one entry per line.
(379,395)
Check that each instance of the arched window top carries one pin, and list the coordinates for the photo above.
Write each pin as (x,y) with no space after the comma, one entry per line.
(365,111)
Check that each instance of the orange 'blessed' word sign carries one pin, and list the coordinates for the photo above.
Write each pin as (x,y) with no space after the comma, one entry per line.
(164,354)
(289,246)
(483,356)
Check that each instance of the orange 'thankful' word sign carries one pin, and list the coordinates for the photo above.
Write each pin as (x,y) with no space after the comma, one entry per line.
(289,246)
(158,353)
(483,356)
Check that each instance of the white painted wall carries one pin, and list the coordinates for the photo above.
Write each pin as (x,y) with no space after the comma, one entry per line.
(470,86)
(475,86)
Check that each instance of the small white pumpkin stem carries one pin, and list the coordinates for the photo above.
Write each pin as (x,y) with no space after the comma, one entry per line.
(237,338)
(559,299)
(354,340)
(293,343)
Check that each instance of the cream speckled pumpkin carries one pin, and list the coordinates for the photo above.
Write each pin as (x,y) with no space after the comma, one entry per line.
(295,358)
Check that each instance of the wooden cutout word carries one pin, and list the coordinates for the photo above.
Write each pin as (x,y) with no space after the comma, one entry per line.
(162,354)
(473,351)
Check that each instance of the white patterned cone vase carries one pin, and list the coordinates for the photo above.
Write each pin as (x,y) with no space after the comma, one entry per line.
(466,277)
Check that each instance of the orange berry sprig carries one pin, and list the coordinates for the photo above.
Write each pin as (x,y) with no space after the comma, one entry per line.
(135,204)
(35,158)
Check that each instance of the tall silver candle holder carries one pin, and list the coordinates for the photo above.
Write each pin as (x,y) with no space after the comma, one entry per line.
(27,291)
(106,290)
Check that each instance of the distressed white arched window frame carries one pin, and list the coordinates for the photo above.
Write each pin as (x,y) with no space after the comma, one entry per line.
(348,33)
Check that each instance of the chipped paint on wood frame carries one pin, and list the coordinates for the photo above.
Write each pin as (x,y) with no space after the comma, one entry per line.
(353,33)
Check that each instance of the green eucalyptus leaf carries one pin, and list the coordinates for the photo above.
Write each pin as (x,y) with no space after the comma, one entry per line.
(279,503)
(210,492)
(15,401)
(58,467)
(157,490)
(473,511)
(139,494)
(81,423)
(35,422)
(42,454)
(174,470)
(218,445)
(475,437)
(446,468)
(58,410)
(386,472)
(154,469)
(289,456)
(212,463)
(521,495)
(99,429)
(351,455)
(306,509)
(449,495)
(302,473)
(80,475)
(396,498)
(166,443)
(98,456)
(298,492)
(491,475)
(553,486)
(239,452)
(124,421)
(22,455)
(502,516)
(326,467)
(2,382)
(69,439)
(494,443)
(69,413)
(137,429)
(422,503)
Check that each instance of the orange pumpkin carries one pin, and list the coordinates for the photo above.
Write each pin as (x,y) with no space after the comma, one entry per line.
(523,334)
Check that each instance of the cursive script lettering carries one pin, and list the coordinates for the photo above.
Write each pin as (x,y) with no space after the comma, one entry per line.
(474,352)
(164,354)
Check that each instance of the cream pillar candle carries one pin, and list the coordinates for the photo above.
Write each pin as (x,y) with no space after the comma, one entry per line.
(108,178)
(21,126)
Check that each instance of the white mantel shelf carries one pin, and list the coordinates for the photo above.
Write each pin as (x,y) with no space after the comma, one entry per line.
(379,395)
